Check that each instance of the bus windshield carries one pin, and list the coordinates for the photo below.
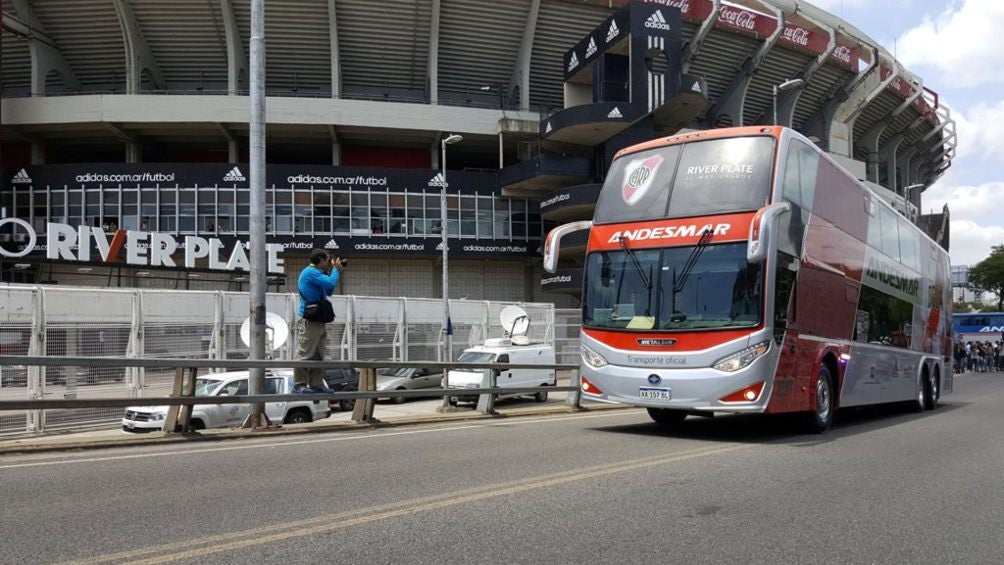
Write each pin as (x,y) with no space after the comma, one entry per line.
(721,290)
(692,179)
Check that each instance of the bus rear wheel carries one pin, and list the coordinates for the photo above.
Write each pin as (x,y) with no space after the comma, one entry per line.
(931,390)
(666,415)
(819,420)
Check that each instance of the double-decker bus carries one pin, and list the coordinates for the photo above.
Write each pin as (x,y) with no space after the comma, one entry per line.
(978,326)
(743,270)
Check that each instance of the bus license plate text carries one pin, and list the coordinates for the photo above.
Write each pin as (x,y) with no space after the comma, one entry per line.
(655,393)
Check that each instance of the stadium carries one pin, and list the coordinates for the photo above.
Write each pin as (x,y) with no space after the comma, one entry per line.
(131,116)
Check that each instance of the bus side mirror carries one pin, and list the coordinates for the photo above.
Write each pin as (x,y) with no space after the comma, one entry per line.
(553,242)
(762,231)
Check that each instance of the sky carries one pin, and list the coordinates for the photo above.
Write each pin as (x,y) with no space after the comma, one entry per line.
(957,48)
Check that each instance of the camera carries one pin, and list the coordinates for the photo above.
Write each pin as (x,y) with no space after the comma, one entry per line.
(344,262)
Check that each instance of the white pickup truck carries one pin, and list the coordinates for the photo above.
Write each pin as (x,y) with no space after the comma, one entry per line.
(151,418)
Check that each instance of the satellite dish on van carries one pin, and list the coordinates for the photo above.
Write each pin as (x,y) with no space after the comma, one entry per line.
(276,331)
(515,324)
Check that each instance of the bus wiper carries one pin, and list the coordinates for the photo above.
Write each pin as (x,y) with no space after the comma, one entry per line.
(688,267)
(641,272)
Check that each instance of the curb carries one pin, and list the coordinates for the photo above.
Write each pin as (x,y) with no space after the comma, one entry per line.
(68,442)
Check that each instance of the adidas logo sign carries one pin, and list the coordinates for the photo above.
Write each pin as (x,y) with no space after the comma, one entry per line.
(234,175)
(548,128)
(591,48)
(438,180)
(696,87)
(615,113)
(657,21)
(613,32)
(573,62)
(440,246)
(331,244)
(21,177)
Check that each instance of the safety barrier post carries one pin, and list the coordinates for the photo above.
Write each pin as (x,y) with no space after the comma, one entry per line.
(574,398)
(362,412)
(486,401)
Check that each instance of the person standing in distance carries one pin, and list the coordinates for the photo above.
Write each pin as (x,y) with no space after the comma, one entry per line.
(317,282)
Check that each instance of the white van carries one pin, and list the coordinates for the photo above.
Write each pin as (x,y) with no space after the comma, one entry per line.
(503,351)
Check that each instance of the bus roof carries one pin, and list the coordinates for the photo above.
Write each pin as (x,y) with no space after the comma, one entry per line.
(702,135)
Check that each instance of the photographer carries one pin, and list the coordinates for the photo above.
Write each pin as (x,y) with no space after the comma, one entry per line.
(316,283)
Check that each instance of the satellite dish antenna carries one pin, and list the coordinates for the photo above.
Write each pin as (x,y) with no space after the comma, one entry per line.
(276,331)
(515,324)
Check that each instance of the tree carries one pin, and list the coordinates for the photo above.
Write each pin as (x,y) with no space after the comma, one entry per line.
(961,307)
(988,275)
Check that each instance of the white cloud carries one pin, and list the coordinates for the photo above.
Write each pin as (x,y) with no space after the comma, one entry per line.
(980,131)
(964,44)
(975,217)
(836,6)
(970,242)
(978,204)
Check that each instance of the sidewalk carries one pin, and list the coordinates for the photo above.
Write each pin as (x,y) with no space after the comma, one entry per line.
(387,415)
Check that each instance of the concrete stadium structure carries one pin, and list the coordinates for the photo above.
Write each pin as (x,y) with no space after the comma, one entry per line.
(133,114)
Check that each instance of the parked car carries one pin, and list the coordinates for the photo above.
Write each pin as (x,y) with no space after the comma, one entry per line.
(341,380)
(151,418)
(407,378)
(95,375)
(510,378)
(17,375)
(13,376)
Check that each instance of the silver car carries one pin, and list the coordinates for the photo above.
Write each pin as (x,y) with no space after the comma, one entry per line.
(407,378)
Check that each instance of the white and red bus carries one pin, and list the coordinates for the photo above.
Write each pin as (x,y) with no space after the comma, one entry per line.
(744,270)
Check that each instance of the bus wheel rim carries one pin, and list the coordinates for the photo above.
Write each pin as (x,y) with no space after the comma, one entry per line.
(822,400)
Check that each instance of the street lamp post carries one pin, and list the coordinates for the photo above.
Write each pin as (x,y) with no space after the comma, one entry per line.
(783,87)
(447,324)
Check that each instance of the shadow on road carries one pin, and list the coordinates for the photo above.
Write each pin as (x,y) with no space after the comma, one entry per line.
(781,428)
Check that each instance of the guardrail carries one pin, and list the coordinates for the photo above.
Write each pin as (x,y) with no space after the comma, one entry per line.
(183,395)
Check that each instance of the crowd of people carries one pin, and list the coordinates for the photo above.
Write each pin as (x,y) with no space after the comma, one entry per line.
(979,357)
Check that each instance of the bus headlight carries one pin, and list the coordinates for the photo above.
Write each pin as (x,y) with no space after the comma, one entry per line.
(592,358)
(742,358)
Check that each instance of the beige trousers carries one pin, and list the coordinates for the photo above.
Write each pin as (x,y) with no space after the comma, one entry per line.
(310,338)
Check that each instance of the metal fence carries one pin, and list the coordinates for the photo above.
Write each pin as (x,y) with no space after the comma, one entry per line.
(567,325)
(134,323)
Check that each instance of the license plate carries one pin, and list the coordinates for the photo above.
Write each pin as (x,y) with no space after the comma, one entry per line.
(655,393)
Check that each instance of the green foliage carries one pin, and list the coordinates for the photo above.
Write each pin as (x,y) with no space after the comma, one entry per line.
(961,307)
(988,275)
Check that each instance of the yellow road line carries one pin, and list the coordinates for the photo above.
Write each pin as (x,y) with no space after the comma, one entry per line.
(330,522)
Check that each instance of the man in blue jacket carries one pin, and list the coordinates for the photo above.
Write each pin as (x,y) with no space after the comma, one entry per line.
(317,282)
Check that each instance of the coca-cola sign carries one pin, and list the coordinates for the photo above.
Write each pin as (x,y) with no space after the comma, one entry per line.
(739,19)
(797,35)
(842,53)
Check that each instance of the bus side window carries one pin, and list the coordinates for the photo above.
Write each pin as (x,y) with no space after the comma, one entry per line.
(784,302)
(800,168)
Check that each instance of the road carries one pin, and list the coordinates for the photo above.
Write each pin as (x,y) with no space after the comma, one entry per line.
(884,486)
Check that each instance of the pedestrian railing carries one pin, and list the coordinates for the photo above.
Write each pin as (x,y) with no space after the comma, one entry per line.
(183,396)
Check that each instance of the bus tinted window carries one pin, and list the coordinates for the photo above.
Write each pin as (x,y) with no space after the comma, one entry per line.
(722,175)
(712,177)
(909,245)
(890,233)
(800,170)
(637,186)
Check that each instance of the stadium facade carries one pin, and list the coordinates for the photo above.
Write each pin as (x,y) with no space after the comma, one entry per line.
(124,129)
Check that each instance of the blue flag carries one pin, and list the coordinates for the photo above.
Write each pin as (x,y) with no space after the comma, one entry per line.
(449,326)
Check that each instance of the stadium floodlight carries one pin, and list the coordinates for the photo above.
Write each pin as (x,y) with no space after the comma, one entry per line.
(447,324)
(785,86)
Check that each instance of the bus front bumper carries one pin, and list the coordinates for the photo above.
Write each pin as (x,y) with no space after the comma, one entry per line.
(691,389)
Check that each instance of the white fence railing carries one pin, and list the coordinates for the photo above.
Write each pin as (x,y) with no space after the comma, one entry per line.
(134,323)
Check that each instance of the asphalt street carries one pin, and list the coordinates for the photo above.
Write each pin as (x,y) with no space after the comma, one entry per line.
(884,486)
